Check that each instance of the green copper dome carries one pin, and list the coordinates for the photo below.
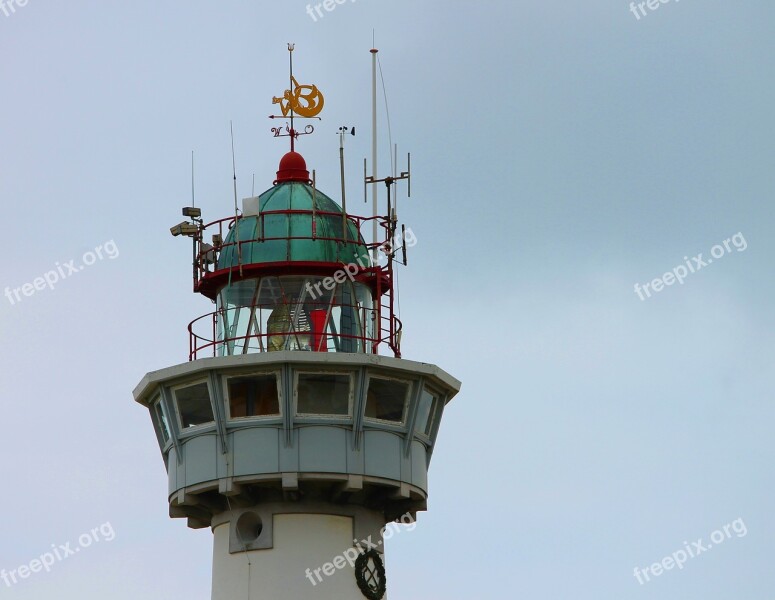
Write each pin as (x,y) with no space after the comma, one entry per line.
(287,236)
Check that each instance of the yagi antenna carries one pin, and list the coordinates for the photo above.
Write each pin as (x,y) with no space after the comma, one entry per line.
(390,182)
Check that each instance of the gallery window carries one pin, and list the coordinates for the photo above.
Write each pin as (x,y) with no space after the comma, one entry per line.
(254,396)
(323,394)
(387,399)
(193,405)
(426,409)
(161,420)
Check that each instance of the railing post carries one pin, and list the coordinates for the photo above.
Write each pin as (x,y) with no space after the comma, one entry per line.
(215,319)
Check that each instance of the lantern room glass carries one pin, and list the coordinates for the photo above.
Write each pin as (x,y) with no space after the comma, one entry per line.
(311,313)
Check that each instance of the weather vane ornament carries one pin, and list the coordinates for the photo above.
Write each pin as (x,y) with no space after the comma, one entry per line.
(301,101)
(304,100)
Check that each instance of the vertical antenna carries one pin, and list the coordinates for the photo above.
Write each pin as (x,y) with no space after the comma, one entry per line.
(233,166)
(314,204)
(193,196)
(234,173)
(403,242)
(395,174)
(408,174)
(258,217)
(387,116)
(374,51)
(342,131)
(260,223)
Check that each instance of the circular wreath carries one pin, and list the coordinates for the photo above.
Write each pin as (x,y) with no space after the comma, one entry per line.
(361,570)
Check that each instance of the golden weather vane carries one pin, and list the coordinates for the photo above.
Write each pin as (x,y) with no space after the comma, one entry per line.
(304,100)
(299,101)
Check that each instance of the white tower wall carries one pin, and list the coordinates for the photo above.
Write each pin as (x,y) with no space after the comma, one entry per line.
(300,542)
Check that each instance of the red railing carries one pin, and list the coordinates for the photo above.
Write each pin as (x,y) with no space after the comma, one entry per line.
(207,254)
(202,345)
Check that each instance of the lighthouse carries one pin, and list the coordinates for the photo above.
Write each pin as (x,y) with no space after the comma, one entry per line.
(295,431)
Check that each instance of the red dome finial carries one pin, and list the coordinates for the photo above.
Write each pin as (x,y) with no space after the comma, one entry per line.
(293,167)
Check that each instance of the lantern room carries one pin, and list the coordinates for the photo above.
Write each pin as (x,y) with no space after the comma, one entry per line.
(293,272)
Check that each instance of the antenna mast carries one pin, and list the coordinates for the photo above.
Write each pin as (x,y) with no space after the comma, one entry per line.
(236,214)
(342,131)
(374,52)
(193,197)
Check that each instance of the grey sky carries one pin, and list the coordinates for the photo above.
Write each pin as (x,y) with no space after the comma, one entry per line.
(562,152)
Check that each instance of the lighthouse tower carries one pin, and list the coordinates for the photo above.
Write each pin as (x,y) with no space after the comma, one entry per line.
(287,432)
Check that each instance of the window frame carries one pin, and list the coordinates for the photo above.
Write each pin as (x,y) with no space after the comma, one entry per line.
(405,415)
(280,396)
(158,414)
(174,388)
(348,417)
(438,398)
